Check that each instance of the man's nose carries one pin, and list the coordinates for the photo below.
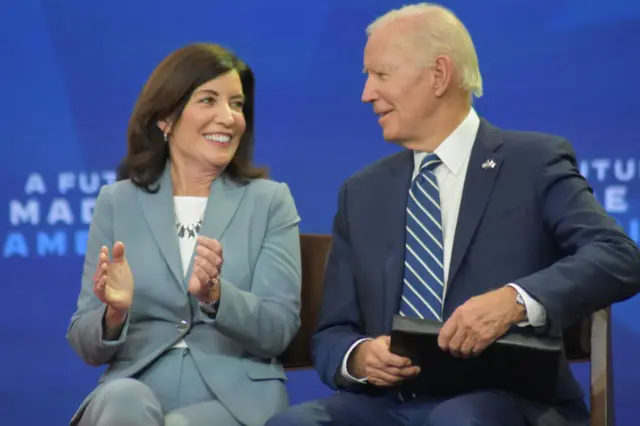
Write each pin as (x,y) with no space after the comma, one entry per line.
(368,92)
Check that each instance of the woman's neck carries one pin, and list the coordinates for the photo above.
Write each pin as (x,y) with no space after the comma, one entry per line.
(190,179)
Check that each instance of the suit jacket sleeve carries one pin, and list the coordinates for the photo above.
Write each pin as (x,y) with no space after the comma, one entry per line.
(267,318)
(340,324)
(85,332)
(602,265)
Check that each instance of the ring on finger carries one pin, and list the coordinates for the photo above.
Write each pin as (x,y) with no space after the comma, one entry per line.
(214,282)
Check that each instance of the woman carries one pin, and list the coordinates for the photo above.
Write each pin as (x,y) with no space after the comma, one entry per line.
(191,284)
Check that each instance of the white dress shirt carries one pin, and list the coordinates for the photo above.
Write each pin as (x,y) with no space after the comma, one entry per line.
(188,211)
(455,152)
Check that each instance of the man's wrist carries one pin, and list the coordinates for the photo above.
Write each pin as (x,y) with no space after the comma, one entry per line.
(344,373)
(535,314)
(519,310)
(353,364)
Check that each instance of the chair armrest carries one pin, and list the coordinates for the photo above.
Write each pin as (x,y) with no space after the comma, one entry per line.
(602,401)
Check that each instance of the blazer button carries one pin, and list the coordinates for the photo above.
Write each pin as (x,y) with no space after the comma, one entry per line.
(183,326)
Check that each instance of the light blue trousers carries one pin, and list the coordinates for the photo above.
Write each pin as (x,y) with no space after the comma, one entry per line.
(171,392)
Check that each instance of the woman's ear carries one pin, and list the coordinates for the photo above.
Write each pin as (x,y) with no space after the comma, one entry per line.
(165,127)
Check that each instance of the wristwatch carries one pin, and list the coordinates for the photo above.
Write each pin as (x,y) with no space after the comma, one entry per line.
(211,308)
(520,301)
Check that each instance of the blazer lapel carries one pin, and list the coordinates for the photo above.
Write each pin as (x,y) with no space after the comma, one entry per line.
(159,212)
(224,199)
(484,165)
(397,182)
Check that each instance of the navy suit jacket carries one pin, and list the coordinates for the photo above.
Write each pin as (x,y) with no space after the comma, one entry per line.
(530,220)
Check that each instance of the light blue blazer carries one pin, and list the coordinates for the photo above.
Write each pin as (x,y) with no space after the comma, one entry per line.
(259,312)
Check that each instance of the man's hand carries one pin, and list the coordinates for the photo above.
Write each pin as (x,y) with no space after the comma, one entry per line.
(480,321)
(373,360)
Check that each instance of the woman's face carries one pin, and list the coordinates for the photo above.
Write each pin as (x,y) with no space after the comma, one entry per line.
(212,123)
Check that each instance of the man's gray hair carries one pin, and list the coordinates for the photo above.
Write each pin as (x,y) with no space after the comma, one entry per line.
(439,31)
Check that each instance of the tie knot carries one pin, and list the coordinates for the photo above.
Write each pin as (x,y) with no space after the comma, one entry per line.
(430,162)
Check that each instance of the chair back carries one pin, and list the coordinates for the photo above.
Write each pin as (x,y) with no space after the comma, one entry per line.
(577,341)
(314,252)
(590,341)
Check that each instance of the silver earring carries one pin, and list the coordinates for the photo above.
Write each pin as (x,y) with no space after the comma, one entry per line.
(166,137)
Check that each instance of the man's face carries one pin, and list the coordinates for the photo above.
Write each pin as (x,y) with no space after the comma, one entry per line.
(398,85)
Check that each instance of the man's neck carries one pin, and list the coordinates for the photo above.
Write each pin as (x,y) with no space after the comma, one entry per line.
(440,126)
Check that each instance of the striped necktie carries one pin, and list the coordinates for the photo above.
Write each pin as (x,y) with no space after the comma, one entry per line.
(423,289)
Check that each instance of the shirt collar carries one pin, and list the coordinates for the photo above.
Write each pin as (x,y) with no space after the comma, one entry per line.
(456,148)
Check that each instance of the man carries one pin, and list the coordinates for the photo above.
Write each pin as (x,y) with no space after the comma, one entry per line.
(481,228)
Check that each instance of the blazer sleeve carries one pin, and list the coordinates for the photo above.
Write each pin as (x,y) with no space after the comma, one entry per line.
(85,332)
(340,320)
(602,265)
(266,319)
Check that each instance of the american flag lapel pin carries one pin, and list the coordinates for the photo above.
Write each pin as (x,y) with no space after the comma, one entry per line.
(489,164)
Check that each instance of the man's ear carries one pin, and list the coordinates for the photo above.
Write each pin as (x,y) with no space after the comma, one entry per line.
(443,75)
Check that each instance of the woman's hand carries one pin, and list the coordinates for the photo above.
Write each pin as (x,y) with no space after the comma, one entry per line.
(113,281)
(204,282)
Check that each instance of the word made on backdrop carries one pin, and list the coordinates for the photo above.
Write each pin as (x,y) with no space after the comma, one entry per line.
(50,215)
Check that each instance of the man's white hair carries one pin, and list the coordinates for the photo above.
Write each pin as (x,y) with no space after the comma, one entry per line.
(439,32)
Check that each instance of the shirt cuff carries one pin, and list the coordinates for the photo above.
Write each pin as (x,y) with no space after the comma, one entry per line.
(536,314)
(343,370)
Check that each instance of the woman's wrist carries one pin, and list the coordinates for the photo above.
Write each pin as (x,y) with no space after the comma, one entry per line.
(113,321)
(213,295)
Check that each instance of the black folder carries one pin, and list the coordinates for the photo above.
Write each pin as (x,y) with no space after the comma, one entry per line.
(526,365)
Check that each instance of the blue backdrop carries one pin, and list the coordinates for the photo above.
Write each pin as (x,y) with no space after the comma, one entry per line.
(71,71)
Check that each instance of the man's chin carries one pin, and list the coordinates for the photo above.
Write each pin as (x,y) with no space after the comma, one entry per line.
(392,137)
(389,135)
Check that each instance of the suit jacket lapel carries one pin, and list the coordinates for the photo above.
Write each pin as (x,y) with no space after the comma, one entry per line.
(159,212)
(396,182)
(158,209)
(484,165)
(224,199)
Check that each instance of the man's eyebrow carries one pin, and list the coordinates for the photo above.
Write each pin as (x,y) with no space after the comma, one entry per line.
(384,68)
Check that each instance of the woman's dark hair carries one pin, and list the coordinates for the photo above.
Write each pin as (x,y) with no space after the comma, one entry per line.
(165,96)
